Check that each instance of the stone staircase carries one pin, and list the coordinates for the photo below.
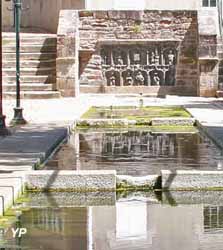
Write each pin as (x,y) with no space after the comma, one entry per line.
(38,66)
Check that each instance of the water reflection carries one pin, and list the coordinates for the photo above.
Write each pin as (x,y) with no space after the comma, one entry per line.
(137,153)
(129,225)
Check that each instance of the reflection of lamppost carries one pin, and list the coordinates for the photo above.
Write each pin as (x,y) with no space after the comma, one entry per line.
(18,116)
(3,130)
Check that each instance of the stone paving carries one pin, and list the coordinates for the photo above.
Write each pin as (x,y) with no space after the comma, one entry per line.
(48,125)
(209,118)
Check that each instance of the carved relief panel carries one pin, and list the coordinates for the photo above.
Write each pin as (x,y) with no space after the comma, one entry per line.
(131,65)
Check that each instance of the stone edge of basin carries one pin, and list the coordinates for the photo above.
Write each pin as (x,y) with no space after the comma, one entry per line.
(11,187)
(82,180)
(217,141)
(173,121)
(170,121)
(191,180)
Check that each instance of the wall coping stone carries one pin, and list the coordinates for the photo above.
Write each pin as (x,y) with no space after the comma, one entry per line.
(192,180)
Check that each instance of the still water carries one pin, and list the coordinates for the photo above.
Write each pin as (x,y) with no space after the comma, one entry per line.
(129,224)
(136,152)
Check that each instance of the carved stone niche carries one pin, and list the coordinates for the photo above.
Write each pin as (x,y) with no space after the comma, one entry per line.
(113,77)
(145,65)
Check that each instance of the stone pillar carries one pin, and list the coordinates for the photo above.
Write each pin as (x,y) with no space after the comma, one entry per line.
(7,15)
(208,62)
(67,54)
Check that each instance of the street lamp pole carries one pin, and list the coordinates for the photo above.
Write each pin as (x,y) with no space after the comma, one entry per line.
(3,130)
(18,110)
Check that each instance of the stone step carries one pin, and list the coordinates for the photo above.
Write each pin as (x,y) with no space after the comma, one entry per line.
(30,63)
(29,34)
(30,40)
(30,56)
(33,94)
(28,48)
(30,71)
(28,87)
(31,79)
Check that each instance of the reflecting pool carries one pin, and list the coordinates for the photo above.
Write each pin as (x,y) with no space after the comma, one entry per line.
(132,223)
(137,152)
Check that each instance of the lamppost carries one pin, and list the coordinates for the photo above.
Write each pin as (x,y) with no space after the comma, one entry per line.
(18,110)
(3,130)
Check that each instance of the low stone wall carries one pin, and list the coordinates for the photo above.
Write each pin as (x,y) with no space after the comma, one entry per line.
(71,180)
(173,121)
(105,122)
(192,180)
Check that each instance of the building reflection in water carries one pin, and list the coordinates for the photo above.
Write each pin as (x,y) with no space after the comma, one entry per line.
(127,226)
(136,153)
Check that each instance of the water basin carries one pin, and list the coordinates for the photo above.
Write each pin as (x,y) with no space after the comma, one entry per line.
(135,222)
(136,152)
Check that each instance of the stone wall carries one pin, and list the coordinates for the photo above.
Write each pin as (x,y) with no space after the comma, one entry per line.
(43,14)
(139,28)
(117,51)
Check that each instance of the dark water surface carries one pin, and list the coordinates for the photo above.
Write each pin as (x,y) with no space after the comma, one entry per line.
(126,225)
(137,153)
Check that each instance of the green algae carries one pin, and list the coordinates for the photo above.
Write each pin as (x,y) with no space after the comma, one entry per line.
(136,113)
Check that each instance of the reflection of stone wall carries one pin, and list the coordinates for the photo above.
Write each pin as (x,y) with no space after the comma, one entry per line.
(55,228)
(99,29)
(138,142)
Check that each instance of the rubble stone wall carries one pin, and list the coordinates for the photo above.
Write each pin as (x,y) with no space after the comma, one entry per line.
(194,59)
(97,28)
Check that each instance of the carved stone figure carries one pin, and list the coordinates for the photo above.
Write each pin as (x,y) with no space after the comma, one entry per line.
(156,79)
(136,58)
(104,60)
(150,64)
(139,78)
(113,77)
(120,60)
(171,57)
(129,79)
(112,80)
(157,58)
(153,58)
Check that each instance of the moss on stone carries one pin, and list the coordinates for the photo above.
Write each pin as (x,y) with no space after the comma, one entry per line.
(134,113)
(124,186)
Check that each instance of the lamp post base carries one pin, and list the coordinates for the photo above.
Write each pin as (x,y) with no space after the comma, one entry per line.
(18,117)
(3,130)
